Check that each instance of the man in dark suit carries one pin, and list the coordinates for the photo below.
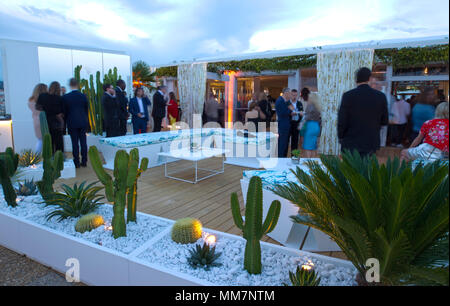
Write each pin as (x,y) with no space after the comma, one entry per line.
(362,112)
(284,111)
(123,106)
(159,107)
(294,133)
(139,111)
(111,111)
(75,105)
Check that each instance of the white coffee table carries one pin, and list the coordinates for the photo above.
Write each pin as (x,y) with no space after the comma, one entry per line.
(284,163)
(195,157)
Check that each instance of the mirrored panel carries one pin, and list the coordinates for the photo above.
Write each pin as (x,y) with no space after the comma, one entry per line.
(55,64)
(91,62)
(2,89)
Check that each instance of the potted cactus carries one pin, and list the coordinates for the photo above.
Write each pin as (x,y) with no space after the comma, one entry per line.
(295,157)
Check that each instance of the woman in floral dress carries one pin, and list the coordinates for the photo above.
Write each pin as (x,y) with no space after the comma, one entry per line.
(434,134)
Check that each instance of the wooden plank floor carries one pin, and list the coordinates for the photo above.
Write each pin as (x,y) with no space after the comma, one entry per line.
(208,200)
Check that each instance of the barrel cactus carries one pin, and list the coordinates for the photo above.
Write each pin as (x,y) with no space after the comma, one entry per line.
(253,229)
(8,166)
(89,222)
(187,230)
(124,187)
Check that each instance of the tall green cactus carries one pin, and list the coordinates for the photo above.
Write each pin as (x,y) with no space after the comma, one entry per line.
(8,166)
(253,229)
(53,165)
(134,173)
(126,172)
(94,93)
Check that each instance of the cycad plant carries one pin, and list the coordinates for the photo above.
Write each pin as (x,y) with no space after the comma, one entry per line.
(75,201)
(390,212)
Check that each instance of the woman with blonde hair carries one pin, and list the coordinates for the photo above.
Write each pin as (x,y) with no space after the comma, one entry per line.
(434,134)
(38,90)
(312,120)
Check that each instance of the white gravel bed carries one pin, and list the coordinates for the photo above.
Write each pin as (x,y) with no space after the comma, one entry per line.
(137,233)
(26,206)
(275,265)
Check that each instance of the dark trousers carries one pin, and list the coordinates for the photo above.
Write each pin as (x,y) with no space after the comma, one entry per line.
(139,126)
(397,133)
(283,142)
(78,136)
(112,131)
(157,124)
(122,127)
(57,140)
(293,135)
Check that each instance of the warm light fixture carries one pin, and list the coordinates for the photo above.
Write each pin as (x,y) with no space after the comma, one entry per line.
(426,70)
(210,239)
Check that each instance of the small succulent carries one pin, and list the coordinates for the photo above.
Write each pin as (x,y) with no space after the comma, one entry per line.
(203,257)
(28,158)
(76,201)
(304,277)
(186,230)
(28,188)
(89,222)
(295,153)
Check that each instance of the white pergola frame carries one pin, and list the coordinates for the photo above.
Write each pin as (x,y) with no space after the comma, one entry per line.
(373,44)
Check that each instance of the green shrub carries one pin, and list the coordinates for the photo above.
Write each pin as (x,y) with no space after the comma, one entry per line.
(203,257)
(304,278)
(74,201)
(27,188)
(389,212)
(28,158)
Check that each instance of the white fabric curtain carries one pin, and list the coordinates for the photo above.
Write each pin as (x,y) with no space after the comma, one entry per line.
(192,90)
(336,75)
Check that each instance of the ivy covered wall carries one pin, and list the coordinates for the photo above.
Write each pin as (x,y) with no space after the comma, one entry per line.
(398,58)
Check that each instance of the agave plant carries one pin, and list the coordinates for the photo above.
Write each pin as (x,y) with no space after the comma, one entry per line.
(74,201)
(203,257)
(304,277)
(28,158)
(27,188)
(390,212)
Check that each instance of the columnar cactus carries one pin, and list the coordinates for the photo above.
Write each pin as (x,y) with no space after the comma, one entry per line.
(8,166)
(94,93)
(134,173)
(126,173)
(53,165)
(253,229)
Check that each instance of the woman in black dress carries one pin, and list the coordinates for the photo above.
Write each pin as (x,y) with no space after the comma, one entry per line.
(51,104)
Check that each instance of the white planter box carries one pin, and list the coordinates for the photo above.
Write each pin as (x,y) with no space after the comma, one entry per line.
(36,173)
(141,269)
(102,266)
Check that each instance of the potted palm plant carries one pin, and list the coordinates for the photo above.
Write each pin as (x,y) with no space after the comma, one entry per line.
(392,213)
(295,157)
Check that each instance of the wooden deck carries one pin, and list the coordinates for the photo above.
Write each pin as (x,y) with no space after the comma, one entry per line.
(208,200)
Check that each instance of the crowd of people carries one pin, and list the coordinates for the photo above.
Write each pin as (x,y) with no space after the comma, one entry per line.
(59,112)
(364,115)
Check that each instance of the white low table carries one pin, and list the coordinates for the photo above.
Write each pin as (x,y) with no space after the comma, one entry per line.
(284,163)
(195,157)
